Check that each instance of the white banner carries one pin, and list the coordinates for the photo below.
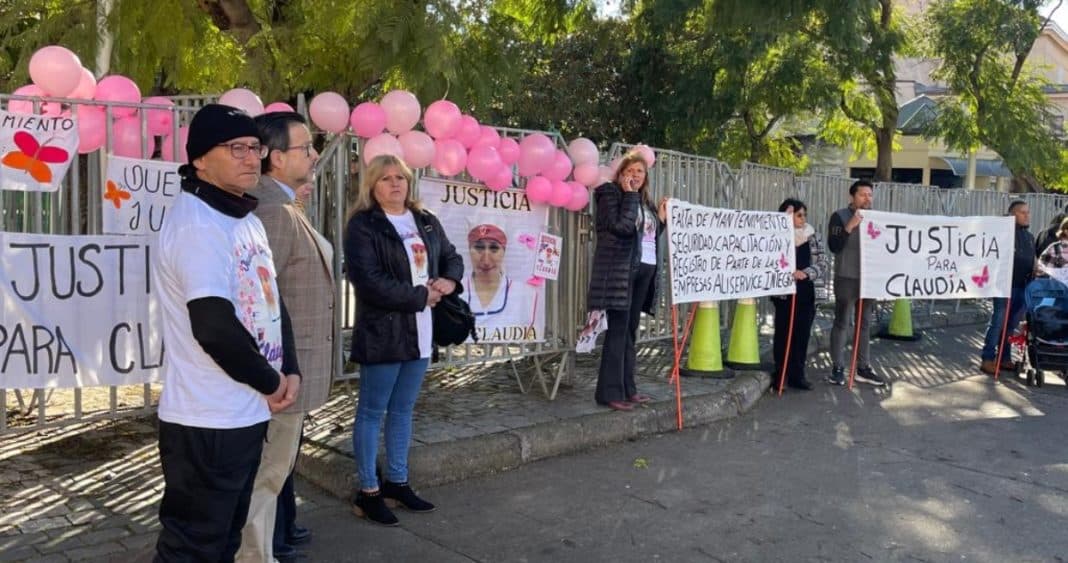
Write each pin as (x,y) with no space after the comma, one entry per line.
(35,151)
(78,311)
(933,257)
(720,254)
(496,233)
(137,194)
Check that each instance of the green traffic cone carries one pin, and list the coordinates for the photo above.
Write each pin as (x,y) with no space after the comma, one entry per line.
(900,326)
(743,351)
(705,351)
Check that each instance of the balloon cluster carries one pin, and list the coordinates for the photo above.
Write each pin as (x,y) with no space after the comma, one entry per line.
(452,143)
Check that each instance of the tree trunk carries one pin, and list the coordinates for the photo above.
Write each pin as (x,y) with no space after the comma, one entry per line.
(234,16)
(884,163)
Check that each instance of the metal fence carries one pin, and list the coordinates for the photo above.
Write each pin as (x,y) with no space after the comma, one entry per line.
(75,209)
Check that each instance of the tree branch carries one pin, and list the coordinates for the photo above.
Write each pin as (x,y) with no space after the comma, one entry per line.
(1021,56)
(234,16)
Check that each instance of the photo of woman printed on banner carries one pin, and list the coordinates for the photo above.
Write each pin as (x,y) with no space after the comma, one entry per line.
(496,234)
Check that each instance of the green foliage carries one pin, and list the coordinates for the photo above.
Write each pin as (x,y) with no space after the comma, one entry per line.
(997,100)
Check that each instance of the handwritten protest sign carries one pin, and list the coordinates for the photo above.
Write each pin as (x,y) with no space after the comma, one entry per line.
(137,193)
(547,264)
(932,257)
(35,151)
(78,311)
(718,254)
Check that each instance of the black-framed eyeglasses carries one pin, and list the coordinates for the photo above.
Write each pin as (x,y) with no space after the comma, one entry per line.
(307,148)
(241,150)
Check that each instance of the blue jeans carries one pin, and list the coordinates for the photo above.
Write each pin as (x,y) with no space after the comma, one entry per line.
(390,390)
(997,323)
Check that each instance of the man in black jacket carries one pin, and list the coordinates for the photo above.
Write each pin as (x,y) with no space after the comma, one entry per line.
(844,241)
(1023,266)
(230,359)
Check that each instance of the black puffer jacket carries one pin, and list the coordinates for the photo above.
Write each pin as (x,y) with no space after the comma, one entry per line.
(618,251)
(377,266)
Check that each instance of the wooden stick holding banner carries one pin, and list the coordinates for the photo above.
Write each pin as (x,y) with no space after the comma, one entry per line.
(1004,333)
(789,341)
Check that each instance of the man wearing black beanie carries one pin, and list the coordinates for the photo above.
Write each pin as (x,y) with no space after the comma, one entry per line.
(229,360)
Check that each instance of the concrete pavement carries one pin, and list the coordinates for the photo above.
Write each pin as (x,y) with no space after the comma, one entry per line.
(944,465)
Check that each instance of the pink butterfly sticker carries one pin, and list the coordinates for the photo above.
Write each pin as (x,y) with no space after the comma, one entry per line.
(536,281)
(981,281)
(873,232)
(527,240)
(783,264)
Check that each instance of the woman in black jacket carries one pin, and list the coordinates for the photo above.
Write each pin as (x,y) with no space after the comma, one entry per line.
(623,281)
(401,264)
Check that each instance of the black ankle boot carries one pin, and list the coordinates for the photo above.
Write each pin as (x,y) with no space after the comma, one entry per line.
(372,506)
(405,496)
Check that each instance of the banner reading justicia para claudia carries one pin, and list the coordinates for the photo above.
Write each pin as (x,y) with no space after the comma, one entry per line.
(935,257)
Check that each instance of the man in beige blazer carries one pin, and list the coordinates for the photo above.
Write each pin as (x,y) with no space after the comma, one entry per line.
(303,261)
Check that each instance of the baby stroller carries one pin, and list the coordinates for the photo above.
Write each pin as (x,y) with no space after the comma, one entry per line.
(1046,332)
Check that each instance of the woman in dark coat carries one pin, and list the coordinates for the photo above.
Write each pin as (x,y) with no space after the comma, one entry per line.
(623,281)
(810,266)
(401,263)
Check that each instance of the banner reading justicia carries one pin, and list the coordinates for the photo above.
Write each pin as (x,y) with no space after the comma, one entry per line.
(496,233)
(934,257)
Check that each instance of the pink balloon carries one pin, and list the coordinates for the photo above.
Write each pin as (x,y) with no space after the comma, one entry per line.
(368,119)
(604,174)
(536,153)
(561,194)
(539,189)
(383,143)
(160,121)
(169,146)
(330,112)
(26,106)
(580,197)
(126,139)
(647,154)
(92,128)
(86,87)
(277,106)
(509,151)
(243,99)
(442,119)
(470,131)
(501,179)
(483,163)
(560,167)
(118,88)
(450,158)
(402,111)
(418,148)
(56,70)
(583,151)
(489,137)
(587,174)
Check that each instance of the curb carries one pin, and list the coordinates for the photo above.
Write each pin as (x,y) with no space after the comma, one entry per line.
(456,460)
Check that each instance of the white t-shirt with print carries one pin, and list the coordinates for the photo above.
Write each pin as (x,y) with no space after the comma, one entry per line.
(417,260)
(204,253)
(647,226)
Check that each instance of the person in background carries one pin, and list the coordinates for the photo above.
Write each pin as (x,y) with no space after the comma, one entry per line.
(810,265)
(1056,254)
(1049,236)
(623,280)
(306,282)
(392,340)
(1023,265)
(844,241)
(226,369)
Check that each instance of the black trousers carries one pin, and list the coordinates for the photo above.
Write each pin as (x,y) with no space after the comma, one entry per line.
(804,314)
(615,380)
(285,518)
(208,476)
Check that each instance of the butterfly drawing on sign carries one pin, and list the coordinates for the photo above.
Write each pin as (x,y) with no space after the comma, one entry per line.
(34,157)
(782,261)
(873,232)
(980,281)
(115,194)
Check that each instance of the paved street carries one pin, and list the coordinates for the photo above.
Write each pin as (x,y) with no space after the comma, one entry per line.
(945,466)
